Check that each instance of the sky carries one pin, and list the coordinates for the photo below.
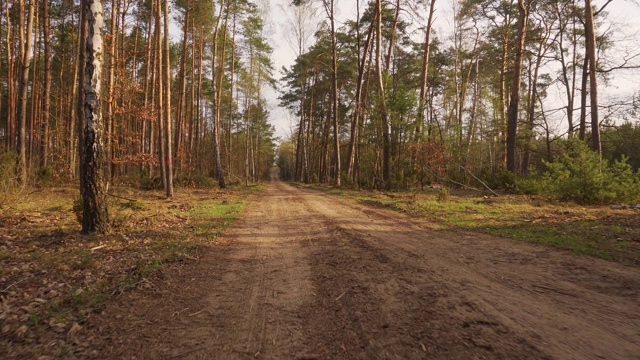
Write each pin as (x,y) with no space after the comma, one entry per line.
(620,12)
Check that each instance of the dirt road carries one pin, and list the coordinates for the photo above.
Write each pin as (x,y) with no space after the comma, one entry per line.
(304,275)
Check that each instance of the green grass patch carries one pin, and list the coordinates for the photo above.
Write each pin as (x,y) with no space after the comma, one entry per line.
(212,216)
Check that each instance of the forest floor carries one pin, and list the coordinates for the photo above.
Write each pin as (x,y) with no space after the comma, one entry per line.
(303,274)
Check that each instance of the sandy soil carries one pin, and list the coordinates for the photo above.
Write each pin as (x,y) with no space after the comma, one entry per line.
(305,275)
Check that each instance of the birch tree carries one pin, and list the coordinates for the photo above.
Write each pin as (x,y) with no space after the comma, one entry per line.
(95,217)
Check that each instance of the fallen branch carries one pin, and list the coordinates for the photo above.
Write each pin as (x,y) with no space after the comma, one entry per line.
(98,247)
(121,197)
(452,181)
(196,313)
(14,284)
(341,295)
(480,181)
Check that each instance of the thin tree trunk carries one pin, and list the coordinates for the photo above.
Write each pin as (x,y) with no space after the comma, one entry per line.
(353,141)
(590,35)
(160,96)
(330,10)
(181,109)
(386,153)
(110,91)
(582,129)
(512,124)
(392,37)
(216,126)
(167,104)
(46,109)
(11,131)
(26,40)
(424,73)
(76,120)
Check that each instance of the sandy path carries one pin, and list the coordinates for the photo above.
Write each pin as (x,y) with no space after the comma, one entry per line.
(305,275)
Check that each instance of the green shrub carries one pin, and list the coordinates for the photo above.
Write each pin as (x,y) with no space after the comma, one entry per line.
(443,195)
(77,207)
(622,184)
(196,181)
(148,182)
(7,170)
(45,175)
(581,175)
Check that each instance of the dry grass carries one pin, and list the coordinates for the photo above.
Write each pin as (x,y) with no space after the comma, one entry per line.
(53,278)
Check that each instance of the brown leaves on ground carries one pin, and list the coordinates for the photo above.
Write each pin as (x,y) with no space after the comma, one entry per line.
(53,279)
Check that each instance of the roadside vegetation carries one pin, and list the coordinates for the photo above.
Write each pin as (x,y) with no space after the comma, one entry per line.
(596,230)
(53,278)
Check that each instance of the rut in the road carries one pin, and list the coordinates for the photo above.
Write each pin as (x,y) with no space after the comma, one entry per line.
(306,275)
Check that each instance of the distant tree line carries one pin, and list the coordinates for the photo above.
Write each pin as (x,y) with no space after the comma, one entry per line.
(492,103)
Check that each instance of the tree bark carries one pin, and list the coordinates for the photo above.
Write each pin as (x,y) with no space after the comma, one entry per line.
(46,107)
(590,40)
(353,141)
(182,90)
(512,124)
(424,73)
(159,96)
(330,9)
(167,104)
(582,128)
(26,54)
(218,98)
(94,193)
(11,110)
(113,39)
(386,136)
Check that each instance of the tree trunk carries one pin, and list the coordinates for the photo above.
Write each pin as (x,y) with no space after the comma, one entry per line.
(582,129)
(424,73)
(26,40)
(46,108)
(110,126)
(94,193)
(182,90)
(218,98)
(167,104)
(392,38)
(330,10)
(386,153)
(77,111)
(590,35)
(512,124)
(231,99)
(353,141)
(11,111)
(159,96)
